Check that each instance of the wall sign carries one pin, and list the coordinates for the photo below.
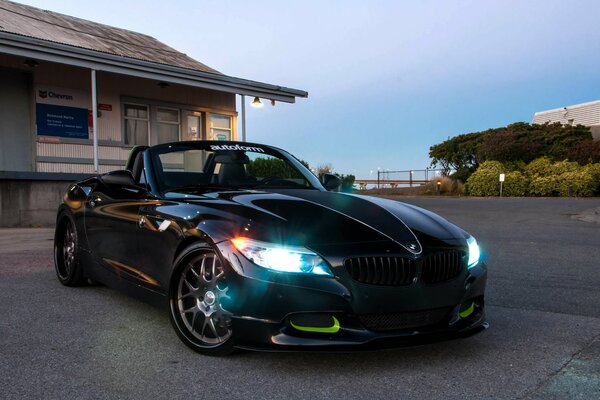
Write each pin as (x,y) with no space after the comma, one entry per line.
(62,112)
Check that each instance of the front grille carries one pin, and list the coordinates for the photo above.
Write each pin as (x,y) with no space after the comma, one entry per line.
(402,321)
(382,270)
(441,267)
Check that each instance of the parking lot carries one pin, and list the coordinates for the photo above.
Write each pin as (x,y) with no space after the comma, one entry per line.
(543,304)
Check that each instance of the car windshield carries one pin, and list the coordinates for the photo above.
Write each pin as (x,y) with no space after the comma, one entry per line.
(194,166)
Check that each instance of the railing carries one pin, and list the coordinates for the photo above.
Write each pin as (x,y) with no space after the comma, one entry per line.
(396,178)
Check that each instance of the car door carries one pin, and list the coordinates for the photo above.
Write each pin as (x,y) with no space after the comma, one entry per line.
(111,226)
(158,238)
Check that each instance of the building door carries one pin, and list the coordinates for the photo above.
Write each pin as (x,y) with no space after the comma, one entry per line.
(16,143)
(193,129)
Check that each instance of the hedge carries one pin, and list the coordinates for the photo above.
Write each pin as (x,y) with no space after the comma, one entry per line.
(484,181)
(541,177)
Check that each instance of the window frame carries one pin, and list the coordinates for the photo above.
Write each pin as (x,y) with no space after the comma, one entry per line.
(126,117)
(178,123)
(184,110)
(210,128)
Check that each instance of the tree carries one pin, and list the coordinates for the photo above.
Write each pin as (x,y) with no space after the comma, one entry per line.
(457,153)
(516,143)
(323,169)
(347,182)
(586,151)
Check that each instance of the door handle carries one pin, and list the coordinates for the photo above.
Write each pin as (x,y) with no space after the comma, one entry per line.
(142,222)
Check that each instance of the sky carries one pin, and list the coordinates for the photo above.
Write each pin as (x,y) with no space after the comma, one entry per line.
(386,79)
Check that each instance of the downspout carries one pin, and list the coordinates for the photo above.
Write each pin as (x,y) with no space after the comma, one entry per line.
(95,120)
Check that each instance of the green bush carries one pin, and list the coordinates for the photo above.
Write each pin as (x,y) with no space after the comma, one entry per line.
(485,181)
(561,178)
(561,167)
(544,185)
(567,179)
(577,184)
(594,171)
(515,166)
(515,184)
(584,182)
(265,167)
(540,166)
(541,177)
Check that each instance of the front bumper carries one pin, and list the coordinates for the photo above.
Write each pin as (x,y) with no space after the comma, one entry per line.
(264,306)
(263,335)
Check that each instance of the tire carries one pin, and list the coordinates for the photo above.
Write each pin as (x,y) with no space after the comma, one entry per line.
(67,258)
(198,288)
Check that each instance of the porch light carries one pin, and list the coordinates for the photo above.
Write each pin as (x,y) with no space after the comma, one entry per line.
(256,103)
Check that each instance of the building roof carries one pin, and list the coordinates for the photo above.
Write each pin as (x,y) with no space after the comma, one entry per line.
(580,105)
(59,28)
(30,32)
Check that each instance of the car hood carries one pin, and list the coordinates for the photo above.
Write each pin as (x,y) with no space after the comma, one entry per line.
(312,217)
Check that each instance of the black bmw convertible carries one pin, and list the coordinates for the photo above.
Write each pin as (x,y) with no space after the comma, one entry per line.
(248,249)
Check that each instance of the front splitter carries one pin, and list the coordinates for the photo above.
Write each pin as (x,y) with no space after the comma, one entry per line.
(363,340)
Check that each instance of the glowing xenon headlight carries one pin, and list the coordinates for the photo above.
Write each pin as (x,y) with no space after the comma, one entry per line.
(293,259)
(474,252)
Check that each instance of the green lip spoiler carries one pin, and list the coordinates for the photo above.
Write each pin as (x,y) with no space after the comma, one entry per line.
(468,311)
(322,329)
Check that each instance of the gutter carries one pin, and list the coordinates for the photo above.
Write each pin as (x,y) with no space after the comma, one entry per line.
(29,47)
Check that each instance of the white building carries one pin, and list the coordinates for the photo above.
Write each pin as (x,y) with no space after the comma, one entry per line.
(76,96)
(587,114)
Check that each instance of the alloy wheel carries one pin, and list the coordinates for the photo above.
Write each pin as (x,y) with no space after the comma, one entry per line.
(201,291)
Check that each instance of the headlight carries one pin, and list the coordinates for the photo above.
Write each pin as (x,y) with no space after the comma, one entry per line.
(474,252)
(275,257)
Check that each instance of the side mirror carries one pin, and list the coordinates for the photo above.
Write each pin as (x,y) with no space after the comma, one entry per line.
(122,177)
(331,182)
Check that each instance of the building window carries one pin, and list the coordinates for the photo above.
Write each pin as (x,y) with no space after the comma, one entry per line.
(219,127)
(136,124)
(167,124)
(570,122)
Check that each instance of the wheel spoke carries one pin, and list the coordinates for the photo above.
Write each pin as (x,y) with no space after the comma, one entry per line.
(189,285)
(203,268)
(185,296)
(213,328)
(204,325)
(213,271)
(193,324)
(193,309)
(191,267)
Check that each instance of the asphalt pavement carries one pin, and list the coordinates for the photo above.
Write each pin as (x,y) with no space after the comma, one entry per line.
(543,304)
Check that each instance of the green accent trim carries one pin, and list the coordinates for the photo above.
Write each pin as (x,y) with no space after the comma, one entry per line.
(468,311)
(327,329)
